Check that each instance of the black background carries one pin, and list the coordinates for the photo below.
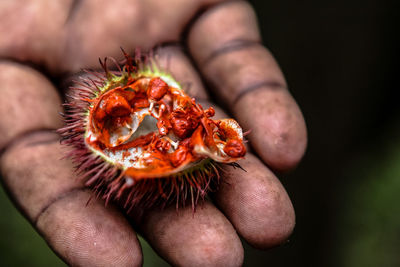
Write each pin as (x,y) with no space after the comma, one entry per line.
(341,61)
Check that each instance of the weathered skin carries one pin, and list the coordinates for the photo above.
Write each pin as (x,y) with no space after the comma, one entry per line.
(280,136)
(46,189)
(242,73)
(20,97)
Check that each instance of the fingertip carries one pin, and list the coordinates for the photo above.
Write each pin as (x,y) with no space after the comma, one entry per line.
(256,203)
(278,130)
(276,230)
(184,238)
(48,193)
(89,235)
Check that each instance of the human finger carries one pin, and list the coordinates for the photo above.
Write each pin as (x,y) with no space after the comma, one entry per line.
(43,185)
(184,238)
(226,46)
(256,203)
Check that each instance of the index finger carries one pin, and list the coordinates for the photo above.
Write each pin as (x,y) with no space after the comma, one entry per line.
(226,45)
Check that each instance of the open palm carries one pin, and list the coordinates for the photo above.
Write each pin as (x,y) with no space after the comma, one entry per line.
(210,40)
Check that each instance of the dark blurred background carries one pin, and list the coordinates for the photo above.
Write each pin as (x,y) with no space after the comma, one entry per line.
(341,61)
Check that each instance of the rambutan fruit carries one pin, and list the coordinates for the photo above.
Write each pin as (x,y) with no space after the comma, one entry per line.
(137,137)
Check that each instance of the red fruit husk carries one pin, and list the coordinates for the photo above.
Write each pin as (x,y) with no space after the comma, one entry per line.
(108,181)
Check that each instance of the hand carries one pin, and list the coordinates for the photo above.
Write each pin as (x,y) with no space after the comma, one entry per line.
(222,39)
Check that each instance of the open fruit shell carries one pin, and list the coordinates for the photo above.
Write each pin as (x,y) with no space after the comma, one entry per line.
(137,136)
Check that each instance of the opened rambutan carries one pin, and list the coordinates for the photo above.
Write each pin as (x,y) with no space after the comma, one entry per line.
(136,136)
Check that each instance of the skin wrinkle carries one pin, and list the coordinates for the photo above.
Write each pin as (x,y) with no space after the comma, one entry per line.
(44,142)
(206,10)
(31,139)
(231,46)
(228,73)
(22,136)
(266,85)
(202,12)
(57,199)
(217,25)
